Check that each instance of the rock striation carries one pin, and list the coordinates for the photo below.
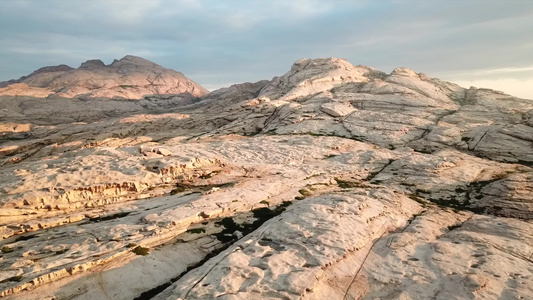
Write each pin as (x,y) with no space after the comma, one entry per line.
(330,181)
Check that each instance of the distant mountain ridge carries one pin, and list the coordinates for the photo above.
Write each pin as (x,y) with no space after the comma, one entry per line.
(131,77)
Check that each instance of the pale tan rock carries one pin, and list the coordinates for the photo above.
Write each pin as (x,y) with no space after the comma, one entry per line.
(164,151)
(287,254)
(337,109)
(308,77)
(11,127)
(451,256)
(410,187)
(130,77)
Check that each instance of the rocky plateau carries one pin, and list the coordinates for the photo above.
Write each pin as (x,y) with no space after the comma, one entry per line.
(332,181)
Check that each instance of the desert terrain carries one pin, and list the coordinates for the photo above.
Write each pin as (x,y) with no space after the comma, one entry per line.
(331,181)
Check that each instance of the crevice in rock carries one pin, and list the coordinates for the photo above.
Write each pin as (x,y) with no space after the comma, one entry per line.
(409,222)
(160,288)
(448,113)
(272,116)
(371,175)
(227,237)
(363,263)
(526,163)
(110,217)
(458,225)
(480,139)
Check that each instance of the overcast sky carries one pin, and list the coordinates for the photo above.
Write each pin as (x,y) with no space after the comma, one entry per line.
(217,43)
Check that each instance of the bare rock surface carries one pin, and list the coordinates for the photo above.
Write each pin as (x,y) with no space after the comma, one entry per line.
(332,181)
(444,255)
(130,78)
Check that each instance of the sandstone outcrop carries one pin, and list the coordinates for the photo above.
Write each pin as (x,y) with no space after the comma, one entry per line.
(331,181)
(129,78)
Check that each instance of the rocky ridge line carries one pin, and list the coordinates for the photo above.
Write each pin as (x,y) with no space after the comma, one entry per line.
(131,77)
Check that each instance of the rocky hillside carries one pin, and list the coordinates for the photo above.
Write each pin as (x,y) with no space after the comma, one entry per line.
(129,78)
(93,92)
(331,181)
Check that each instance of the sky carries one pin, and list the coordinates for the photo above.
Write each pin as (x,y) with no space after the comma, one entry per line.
(218,43)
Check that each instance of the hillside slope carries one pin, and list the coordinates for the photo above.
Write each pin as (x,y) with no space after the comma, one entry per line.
(131,77)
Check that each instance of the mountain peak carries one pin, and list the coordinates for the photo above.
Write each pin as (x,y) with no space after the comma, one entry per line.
(49,69)
(406,72)
(132,59)
(309,76)
(131,77)
(91,64)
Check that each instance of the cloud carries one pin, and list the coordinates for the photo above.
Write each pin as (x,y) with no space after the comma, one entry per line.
(497,71)
(514,87)
(236,41)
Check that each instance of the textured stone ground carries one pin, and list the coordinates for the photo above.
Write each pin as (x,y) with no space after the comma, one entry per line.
(331,181)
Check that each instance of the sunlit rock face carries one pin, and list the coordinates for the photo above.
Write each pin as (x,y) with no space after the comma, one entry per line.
(332,181)
(131,77)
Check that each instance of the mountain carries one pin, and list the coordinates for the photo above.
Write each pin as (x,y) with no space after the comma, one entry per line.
(130,78)
(330,181)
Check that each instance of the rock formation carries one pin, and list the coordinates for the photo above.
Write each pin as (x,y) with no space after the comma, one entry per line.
(129,78)
(331,181)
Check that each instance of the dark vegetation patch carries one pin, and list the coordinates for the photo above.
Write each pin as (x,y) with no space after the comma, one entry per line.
(61,251)
(418,199)
(455,226)
(110,217)
(261,215)
(359,138)
(373,74)
(181,187)
(226,237)
(346,184)
(265,202)
(25,238)
(210,174)
(527,163)
(463,200)
(305,192)
(139,250)
(461,190)
(196,230)
(14,278)
(271,243)
(420,191)
(314,175)
(6,249)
